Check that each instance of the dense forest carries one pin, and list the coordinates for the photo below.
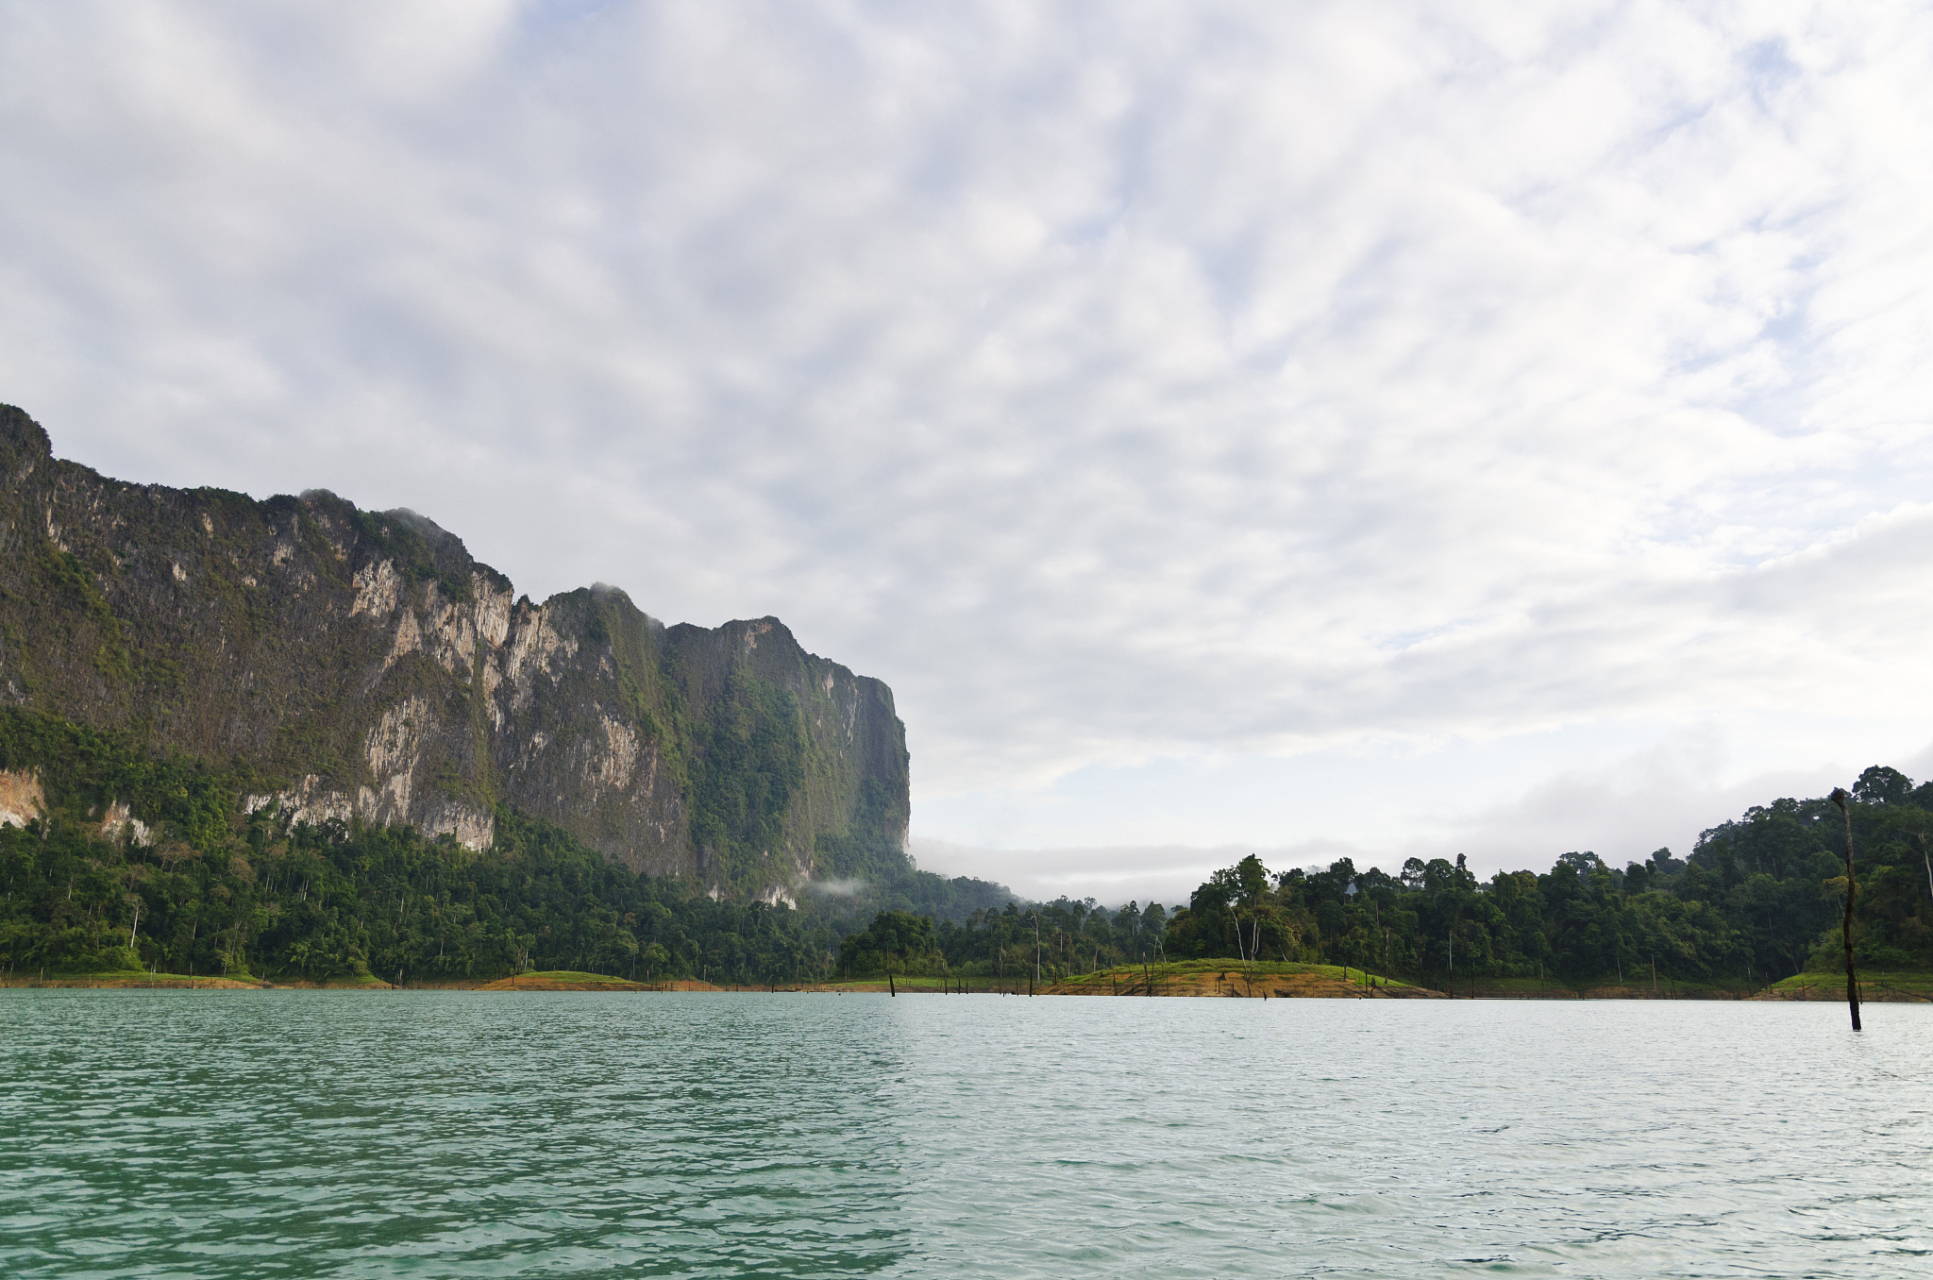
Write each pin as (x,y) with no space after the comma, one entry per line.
(149,862)
(144,862)
(1001,942)
(1758,899)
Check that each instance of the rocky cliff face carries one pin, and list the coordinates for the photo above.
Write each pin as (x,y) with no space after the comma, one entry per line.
(364,665)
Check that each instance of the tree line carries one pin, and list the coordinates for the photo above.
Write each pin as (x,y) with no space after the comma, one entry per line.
(208,889)
(1756,900)
(1008,942)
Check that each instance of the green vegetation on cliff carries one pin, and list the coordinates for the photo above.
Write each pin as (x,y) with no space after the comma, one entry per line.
(200,886)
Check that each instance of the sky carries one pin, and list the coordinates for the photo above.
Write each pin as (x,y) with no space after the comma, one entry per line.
(1318,430)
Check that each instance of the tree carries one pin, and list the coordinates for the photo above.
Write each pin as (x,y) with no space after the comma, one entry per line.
(1881,785)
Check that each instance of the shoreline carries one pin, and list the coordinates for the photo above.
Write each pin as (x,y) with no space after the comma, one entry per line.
(1213,979)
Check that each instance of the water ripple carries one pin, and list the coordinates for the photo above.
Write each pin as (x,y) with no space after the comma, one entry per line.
(318,1134)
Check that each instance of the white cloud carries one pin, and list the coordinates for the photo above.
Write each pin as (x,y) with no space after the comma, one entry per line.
(1131,386)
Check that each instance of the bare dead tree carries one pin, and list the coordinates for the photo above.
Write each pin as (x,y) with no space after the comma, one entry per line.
(1840,798)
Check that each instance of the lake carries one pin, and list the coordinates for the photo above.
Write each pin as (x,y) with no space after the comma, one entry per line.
(218,1134)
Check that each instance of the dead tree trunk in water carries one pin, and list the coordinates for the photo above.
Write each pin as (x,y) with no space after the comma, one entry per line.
(1839,797)
(1925,856)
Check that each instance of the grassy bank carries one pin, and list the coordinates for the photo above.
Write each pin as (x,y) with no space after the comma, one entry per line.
(576,980)
(1875,988)
(228,982)
(1607,987)
(1227,977)
(233,982)
(1196,978)
(1271,979)
(555,980)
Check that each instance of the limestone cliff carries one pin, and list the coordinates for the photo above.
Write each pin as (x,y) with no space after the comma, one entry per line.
(364,665)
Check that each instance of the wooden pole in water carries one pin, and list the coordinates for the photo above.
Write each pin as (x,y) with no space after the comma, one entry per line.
(1839,797)
(891,989)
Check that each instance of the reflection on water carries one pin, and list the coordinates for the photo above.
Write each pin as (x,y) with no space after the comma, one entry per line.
(231,1134)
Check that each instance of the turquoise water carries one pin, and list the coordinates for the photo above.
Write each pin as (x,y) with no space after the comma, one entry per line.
(325,1134)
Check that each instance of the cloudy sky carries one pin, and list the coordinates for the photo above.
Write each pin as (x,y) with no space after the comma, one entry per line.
(1380,429)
